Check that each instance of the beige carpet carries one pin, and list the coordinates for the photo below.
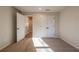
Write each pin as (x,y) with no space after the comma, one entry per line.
(59,45)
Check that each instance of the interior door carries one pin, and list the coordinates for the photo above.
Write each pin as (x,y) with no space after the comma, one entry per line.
(50,26)
(43,25)
(20,27)
(39,23)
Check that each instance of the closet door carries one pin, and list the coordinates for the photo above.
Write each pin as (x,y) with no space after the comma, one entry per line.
(43,25)
(50,26)
(39,24)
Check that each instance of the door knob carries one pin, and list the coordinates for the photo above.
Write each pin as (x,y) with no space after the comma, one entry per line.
(47,27)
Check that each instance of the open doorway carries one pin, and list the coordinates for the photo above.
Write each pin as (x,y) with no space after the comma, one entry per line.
(29,26)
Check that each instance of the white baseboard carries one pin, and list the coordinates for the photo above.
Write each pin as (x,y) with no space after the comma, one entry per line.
(51,37)
(4,46)
(70,43)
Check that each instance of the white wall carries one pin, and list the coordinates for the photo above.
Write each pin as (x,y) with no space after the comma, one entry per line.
(69,25)
(43,20)
(7,26)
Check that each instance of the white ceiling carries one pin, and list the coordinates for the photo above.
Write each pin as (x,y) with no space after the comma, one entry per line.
(36,8)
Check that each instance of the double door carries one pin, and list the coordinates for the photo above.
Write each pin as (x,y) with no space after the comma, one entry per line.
(44,25)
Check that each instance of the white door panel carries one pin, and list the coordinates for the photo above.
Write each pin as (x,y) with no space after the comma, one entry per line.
(20,26)
(51,26)
(43,25)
